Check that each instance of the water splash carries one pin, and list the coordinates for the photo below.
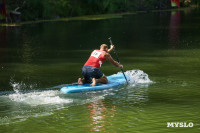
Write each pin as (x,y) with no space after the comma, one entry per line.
(138,77)
(22,105)
(34,98)
(22,85)
(50,97)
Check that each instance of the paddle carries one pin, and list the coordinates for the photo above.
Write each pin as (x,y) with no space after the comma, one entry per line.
(117,59)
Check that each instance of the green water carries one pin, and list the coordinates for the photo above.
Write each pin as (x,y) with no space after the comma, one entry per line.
(38,59)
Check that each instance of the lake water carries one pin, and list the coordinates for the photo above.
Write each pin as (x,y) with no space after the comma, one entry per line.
(37,59)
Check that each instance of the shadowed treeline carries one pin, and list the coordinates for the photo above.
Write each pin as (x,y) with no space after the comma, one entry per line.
(49,9)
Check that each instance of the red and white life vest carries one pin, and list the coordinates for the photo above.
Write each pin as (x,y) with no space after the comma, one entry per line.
(96,59)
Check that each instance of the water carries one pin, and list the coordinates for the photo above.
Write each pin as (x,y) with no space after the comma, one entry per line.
(159,50)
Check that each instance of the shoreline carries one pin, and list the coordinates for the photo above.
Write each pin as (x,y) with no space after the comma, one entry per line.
(94,17)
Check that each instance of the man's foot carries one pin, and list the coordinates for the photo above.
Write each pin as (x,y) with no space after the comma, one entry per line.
(80,81)
(93,82)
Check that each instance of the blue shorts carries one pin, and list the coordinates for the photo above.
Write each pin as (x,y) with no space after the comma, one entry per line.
(91,72)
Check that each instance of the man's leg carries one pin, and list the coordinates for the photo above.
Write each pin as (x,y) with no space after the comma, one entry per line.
(94,81)
(85,74)
(81,81)
(99,77)
(102,80)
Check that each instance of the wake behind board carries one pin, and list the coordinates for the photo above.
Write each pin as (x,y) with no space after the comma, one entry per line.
(113,81)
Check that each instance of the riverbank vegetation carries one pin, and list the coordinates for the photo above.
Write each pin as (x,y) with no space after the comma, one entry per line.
(50,9)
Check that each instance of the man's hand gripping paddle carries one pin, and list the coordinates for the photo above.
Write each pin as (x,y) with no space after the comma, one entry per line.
(117,59)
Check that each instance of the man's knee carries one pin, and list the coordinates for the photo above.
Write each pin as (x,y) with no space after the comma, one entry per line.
(105,80)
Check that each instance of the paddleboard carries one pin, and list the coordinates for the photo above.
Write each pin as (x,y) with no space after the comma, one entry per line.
(113,81)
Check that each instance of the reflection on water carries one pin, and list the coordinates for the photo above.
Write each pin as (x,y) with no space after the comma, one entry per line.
(3,37)
(3,43)
(98,115)
(174,29)
(27,52)
(105,114)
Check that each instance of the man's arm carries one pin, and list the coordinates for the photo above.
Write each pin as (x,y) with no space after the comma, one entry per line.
(115,63)
(111,48)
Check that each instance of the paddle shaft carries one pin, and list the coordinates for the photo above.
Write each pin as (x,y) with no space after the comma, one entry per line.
(118,59)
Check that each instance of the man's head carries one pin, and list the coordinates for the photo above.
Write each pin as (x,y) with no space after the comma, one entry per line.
(104,47)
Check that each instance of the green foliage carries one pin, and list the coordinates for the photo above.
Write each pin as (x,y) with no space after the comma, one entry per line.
(59,7)
(47,9)
(35,9)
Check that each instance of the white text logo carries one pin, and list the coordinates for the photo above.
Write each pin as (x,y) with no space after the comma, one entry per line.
(179,124)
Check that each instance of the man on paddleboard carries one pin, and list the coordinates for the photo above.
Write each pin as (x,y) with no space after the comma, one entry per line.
(91,71)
